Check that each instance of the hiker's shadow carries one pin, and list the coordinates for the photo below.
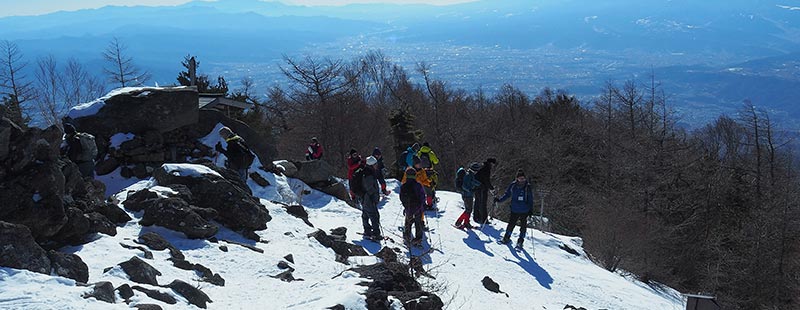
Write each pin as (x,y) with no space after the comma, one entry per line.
(474,242)
(532,267)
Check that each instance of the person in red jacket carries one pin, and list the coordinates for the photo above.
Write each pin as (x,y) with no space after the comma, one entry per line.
(314,151)
(353,161)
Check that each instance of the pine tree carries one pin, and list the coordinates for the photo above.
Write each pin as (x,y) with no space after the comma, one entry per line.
(404,134)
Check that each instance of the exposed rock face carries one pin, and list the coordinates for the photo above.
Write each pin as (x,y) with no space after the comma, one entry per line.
(142,110)
(103,291)
(176,214)
(46,193)
(393,279)
(69,266)
(341,248)
(226,193)
(313,171)
(19,250)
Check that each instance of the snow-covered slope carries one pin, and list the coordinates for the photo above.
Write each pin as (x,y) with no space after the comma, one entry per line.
(550,279)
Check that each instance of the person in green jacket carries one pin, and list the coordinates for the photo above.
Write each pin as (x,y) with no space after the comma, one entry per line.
(427,157)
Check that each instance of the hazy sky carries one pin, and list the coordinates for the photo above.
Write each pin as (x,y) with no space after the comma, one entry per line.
(35,7)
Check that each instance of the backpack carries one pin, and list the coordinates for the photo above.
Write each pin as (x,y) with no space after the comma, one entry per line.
(401,161)
(408,195)
(247,155)
(460,177)
(357,182)
(425,160)
(89,148)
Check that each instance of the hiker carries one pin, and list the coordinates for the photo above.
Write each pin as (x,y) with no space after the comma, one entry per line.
(484,175)
(521,194)
(380,170)
(314,151)
(238,153)
(412,195)
(81,149)
(427,156)
(353,162)
(370,197)
(406,159)
(468,186)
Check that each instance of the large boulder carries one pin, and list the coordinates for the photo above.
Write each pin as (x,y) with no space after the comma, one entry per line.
(219,189)
(69,266)
(176,214)
(313,171)
(137,110)
(192,294)
(140,272)
(19,250)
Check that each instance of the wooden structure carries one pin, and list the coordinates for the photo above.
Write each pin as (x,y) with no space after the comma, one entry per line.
(701,302)
(218,102)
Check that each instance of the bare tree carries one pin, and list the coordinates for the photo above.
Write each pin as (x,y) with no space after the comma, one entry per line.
(49,87)
(79,85)
(14,86)
(120,68)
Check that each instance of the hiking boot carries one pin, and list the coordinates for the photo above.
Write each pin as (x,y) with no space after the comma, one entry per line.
(505,240)
(519,244)
(376,238)
(416,242)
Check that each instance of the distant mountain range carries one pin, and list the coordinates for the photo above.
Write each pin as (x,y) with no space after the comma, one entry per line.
(709,54)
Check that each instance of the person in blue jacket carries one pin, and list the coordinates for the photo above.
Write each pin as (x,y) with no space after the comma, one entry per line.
(521,194)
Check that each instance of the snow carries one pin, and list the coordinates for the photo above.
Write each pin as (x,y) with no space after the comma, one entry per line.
(118,139)
(188,170)
(542,276)
(94,106)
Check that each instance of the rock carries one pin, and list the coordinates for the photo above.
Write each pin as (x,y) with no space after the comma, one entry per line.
(106,166)
(492,286)
(103,291)
(76,227)
(313,171)
(113,213)
(18,249)
(237,207)
(175,214)
(125,291)
(143,110)
(140,171)
(140,272)
(299,212)
(289,258)
(69,266)
(288,168)
(206,213)
(191,293)
(286,276)
(261,181)
(377,299)
(284,265)
(338,190)
(341,248)
(387,255)
(336,307)
(6,129)
(140,200)
(419,300)
(250,234)
(99,223)
(147,307)
(223,248)
(147,254)
(126,172)
(157,243)
(183,192)
(160,296)
(339,231)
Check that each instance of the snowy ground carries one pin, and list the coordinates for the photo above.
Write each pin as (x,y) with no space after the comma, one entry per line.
(551,280)
(542,276)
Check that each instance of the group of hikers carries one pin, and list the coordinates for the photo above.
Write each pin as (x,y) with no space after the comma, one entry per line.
(367,182)
(418,192)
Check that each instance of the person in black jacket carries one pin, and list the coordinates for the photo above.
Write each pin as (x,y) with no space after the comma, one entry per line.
(370,217)
(484,176)
(237,152)
(380,170)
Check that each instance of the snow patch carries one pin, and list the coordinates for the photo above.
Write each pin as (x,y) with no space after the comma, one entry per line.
(118,139)
(188,170)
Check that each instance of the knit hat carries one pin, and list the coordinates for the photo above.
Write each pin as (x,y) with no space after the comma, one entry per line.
(376,151)
(415,147)
(371,160)
(411,173)
(475,166)
(69,129)
(314,139)
(491,160)
(426,144)
(225,132)
(520,173)
(352,151)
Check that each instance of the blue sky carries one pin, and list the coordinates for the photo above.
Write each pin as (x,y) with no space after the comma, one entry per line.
(36,7)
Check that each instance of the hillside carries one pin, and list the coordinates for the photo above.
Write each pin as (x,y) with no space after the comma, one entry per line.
(543,276)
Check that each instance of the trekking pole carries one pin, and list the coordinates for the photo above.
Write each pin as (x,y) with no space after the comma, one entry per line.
(531,239)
